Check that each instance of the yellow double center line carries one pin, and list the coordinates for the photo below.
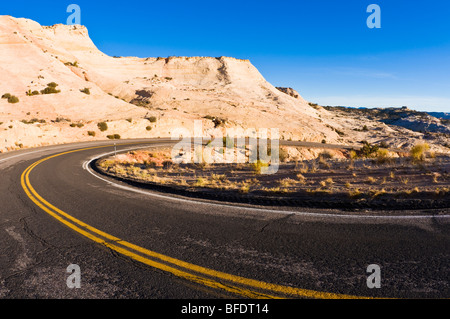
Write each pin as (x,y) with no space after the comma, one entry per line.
(241,286)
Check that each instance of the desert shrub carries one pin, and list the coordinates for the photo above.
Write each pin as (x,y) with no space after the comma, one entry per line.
(314,105)
(258,165)
(418,152)
(50,89)
(383,144)
(13,99)
(148,128)
(102,126)
(328,182)
(283,154)
(6,96)
(365,128)
(325,155)
(167,164)
(31,93)
(323,158)
(219,122)
(75,64)
(91,133)
(61,119)
(114,137)
(152,119)
(382,156)
(86,91)
(369,150)
(32,121)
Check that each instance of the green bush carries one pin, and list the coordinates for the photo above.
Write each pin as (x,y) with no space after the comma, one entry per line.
(369,150)
(148,128)
(114,137)
(34,120)
(6,96)
(50,90)
(91,133)
(152,119)
(102,126)
(13,99)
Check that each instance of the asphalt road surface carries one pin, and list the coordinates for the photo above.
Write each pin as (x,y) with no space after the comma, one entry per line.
(138,244)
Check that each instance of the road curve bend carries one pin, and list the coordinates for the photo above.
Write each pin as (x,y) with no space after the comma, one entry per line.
(134,243)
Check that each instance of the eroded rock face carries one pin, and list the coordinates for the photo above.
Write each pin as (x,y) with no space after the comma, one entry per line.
(176,90)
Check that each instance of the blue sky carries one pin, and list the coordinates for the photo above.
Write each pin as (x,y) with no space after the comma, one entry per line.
(321,48)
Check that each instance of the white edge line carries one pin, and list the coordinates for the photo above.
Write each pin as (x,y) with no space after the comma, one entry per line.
(86,165)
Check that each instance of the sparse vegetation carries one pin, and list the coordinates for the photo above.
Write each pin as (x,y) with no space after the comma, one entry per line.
(303,179)
(75,64)
(114,137)
(368,150)
(418,152)
(86,91)
(13,99)
(51,89)
(216,120)
(32,121)
(79,125)
(32,93)
(382,156)
(102,126)
(258,165)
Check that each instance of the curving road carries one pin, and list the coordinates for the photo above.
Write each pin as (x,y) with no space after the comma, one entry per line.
(133,244)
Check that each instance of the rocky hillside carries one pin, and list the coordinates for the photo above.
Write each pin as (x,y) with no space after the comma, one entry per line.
(57,86)
(126,91)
